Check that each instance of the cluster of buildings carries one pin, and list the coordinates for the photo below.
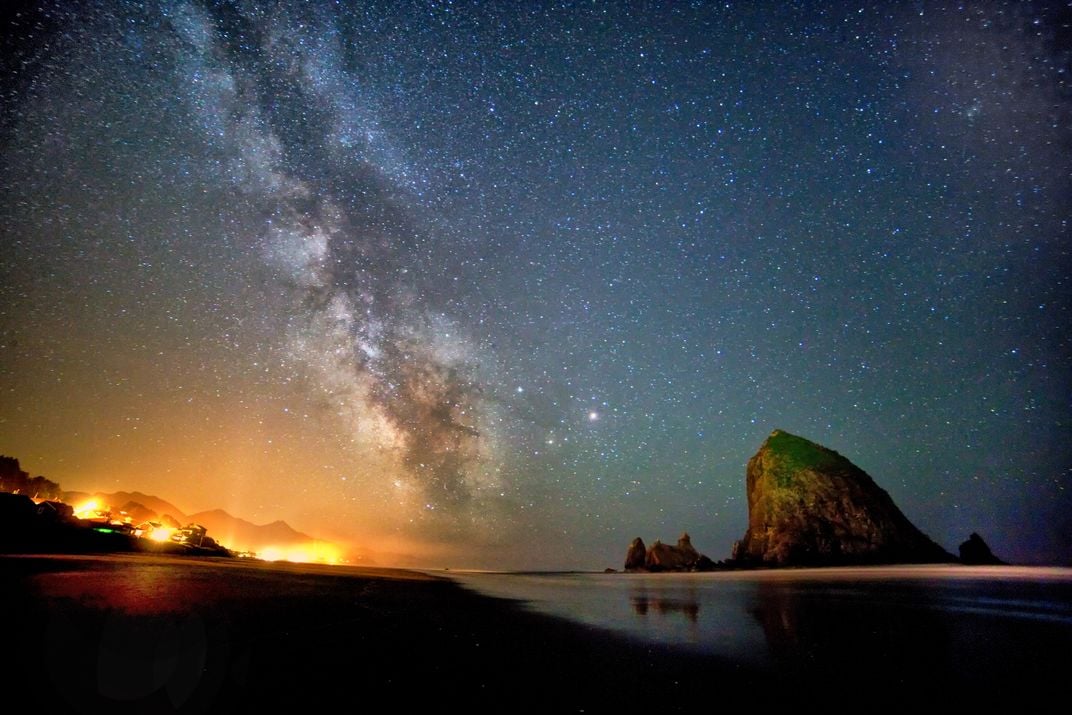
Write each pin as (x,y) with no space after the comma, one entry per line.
(92,512)
(29,524)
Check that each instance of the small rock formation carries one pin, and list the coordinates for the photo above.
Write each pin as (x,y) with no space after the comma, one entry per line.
(706,564)
(810,506)
(664,557)
(975,552)
(636,555)
(686,549)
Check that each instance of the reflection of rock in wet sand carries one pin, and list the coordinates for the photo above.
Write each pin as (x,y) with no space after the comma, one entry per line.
(868,637)
(643,604)
(913,642)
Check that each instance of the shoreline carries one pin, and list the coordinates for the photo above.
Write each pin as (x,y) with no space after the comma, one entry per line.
(181,634)
(298,636)
(907,570)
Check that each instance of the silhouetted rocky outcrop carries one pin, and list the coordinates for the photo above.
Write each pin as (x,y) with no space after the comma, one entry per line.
(706,564)
(664,557)
(975,552)
(808,505)
(636,555)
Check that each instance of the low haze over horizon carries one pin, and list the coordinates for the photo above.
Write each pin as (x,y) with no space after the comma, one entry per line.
(506,285)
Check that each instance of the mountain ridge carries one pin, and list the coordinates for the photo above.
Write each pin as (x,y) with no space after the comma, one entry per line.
(234,532)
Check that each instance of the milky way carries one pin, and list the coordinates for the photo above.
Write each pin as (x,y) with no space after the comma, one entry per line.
(308,155)
(510,286)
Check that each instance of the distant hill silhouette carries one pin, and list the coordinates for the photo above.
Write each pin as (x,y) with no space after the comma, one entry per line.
(141,507)
(227,530)
(233,532)
(241,535)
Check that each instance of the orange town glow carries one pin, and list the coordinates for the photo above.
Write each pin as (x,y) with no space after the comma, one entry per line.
(161,533)
(87,509)
(310,553)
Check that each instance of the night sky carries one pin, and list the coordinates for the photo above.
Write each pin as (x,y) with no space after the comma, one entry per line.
(508,284)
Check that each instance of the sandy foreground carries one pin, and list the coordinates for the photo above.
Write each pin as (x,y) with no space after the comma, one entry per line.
(150,634)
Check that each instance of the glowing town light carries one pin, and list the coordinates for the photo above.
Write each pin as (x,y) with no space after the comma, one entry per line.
(271,553)
(299,556)
(311,553)
(161,533)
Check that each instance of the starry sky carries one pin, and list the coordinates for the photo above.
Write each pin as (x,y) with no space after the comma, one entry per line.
(507,284)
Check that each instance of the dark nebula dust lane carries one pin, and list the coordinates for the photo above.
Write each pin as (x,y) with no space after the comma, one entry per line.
(449,280)
(364,323)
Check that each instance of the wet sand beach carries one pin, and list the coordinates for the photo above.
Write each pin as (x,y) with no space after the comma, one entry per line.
(138,633)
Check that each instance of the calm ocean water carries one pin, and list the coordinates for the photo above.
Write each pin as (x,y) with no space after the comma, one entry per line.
(757,616)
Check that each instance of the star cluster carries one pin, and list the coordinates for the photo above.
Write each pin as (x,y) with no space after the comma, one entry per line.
(508,284)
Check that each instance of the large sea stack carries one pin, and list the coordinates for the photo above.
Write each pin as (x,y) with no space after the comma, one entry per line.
(809,506)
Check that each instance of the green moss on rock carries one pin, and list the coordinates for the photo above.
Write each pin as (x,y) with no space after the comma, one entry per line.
(790,457)
(808,505)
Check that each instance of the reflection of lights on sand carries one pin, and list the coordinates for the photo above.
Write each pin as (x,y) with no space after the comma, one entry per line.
(315,553)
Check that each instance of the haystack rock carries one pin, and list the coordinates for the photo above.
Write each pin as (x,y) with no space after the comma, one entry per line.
(975,552)
(810,506)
